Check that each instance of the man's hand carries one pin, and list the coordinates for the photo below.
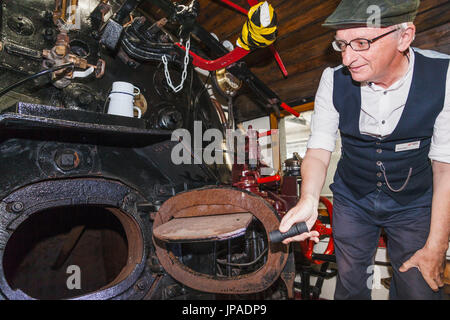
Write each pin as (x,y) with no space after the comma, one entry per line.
(431,265)
(314,170)
(430,260)
(304,211)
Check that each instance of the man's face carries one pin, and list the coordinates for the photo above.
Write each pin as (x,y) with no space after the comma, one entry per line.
(374,64)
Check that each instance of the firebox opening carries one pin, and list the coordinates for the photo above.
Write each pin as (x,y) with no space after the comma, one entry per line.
(65,252)
(232,257)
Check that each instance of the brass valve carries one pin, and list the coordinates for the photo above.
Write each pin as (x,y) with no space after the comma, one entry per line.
(60,54)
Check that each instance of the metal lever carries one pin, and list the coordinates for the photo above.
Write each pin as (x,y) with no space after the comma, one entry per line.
(324,257)
(269,179)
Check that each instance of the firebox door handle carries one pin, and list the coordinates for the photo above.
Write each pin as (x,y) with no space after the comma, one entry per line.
(298,228)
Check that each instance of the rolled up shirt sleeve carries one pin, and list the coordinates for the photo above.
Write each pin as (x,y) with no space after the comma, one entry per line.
(325,118)
(440,142)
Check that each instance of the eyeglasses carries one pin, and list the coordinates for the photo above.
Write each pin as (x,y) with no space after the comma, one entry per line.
(358,44)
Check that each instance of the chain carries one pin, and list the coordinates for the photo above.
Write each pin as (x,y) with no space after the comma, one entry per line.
(383,169)
(182,8)
(183,75)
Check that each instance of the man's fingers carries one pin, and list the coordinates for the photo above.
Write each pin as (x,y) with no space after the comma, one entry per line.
(440,281)
(431,282)
(314,235)
(315,239)
(297,214)
(434,285)
(407,265)
(288,221)
(285,225)
(429,266)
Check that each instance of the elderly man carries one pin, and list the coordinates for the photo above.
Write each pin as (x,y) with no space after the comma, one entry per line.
(391,105)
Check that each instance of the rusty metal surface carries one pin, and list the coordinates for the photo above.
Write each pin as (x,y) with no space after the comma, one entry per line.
(229,198)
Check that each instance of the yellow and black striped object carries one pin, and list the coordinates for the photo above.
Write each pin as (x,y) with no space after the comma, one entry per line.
(260,30)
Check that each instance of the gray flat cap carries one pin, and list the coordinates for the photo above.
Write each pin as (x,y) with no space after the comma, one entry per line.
(372,13)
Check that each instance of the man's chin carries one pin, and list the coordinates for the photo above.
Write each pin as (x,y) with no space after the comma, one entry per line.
(359,77)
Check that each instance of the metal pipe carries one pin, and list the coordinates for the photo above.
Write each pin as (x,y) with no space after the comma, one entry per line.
(73,11)
(63,10)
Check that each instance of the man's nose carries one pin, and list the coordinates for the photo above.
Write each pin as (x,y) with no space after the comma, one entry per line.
(348,56)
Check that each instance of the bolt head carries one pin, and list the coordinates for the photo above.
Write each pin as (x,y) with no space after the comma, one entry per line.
(17,207)
(141,285)
(67,159)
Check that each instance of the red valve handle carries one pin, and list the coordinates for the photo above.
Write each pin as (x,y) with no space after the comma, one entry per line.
(235,6)
(220,63)
(278,60)
(269,179)
(264,134)
(289,109)
(307,246)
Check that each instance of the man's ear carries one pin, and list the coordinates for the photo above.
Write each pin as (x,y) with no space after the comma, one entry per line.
(406,37)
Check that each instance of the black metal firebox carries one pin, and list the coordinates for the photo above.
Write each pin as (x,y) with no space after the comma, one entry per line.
(58,167)
(72,174)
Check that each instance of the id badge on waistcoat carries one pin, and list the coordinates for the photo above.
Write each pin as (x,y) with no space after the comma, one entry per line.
(407,146)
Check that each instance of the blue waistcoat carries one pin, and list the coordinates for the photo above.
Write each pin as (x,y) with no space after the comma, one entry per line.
(364,157)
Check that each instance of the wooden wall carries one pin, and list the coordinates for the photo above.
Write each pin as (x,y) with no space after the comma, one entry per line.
(304,45)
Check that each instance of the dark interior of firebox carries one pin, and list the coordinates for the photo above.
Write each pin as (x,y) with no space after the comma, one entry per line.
(41,250)
(226,258)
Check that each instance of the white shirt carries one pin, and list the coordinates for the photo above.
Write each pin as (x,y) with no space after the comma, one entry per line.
(381,110)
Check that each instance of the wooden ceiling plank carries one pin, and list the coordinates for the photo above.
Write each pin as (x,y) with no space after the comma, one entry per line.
(432,18)
(286,15)
(434,39)
(310,50)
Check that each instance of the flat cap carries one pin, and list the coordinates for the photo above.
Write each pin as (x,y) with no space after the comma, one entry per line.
(372,13)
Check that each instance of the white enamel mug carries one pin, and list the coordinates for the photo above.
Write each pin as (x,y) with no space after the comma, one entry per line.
(122,99)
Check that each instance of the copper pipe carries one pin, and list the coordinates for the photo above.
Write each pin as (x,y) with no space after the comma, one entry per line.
(63,9)
(74,7)
(219,109)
